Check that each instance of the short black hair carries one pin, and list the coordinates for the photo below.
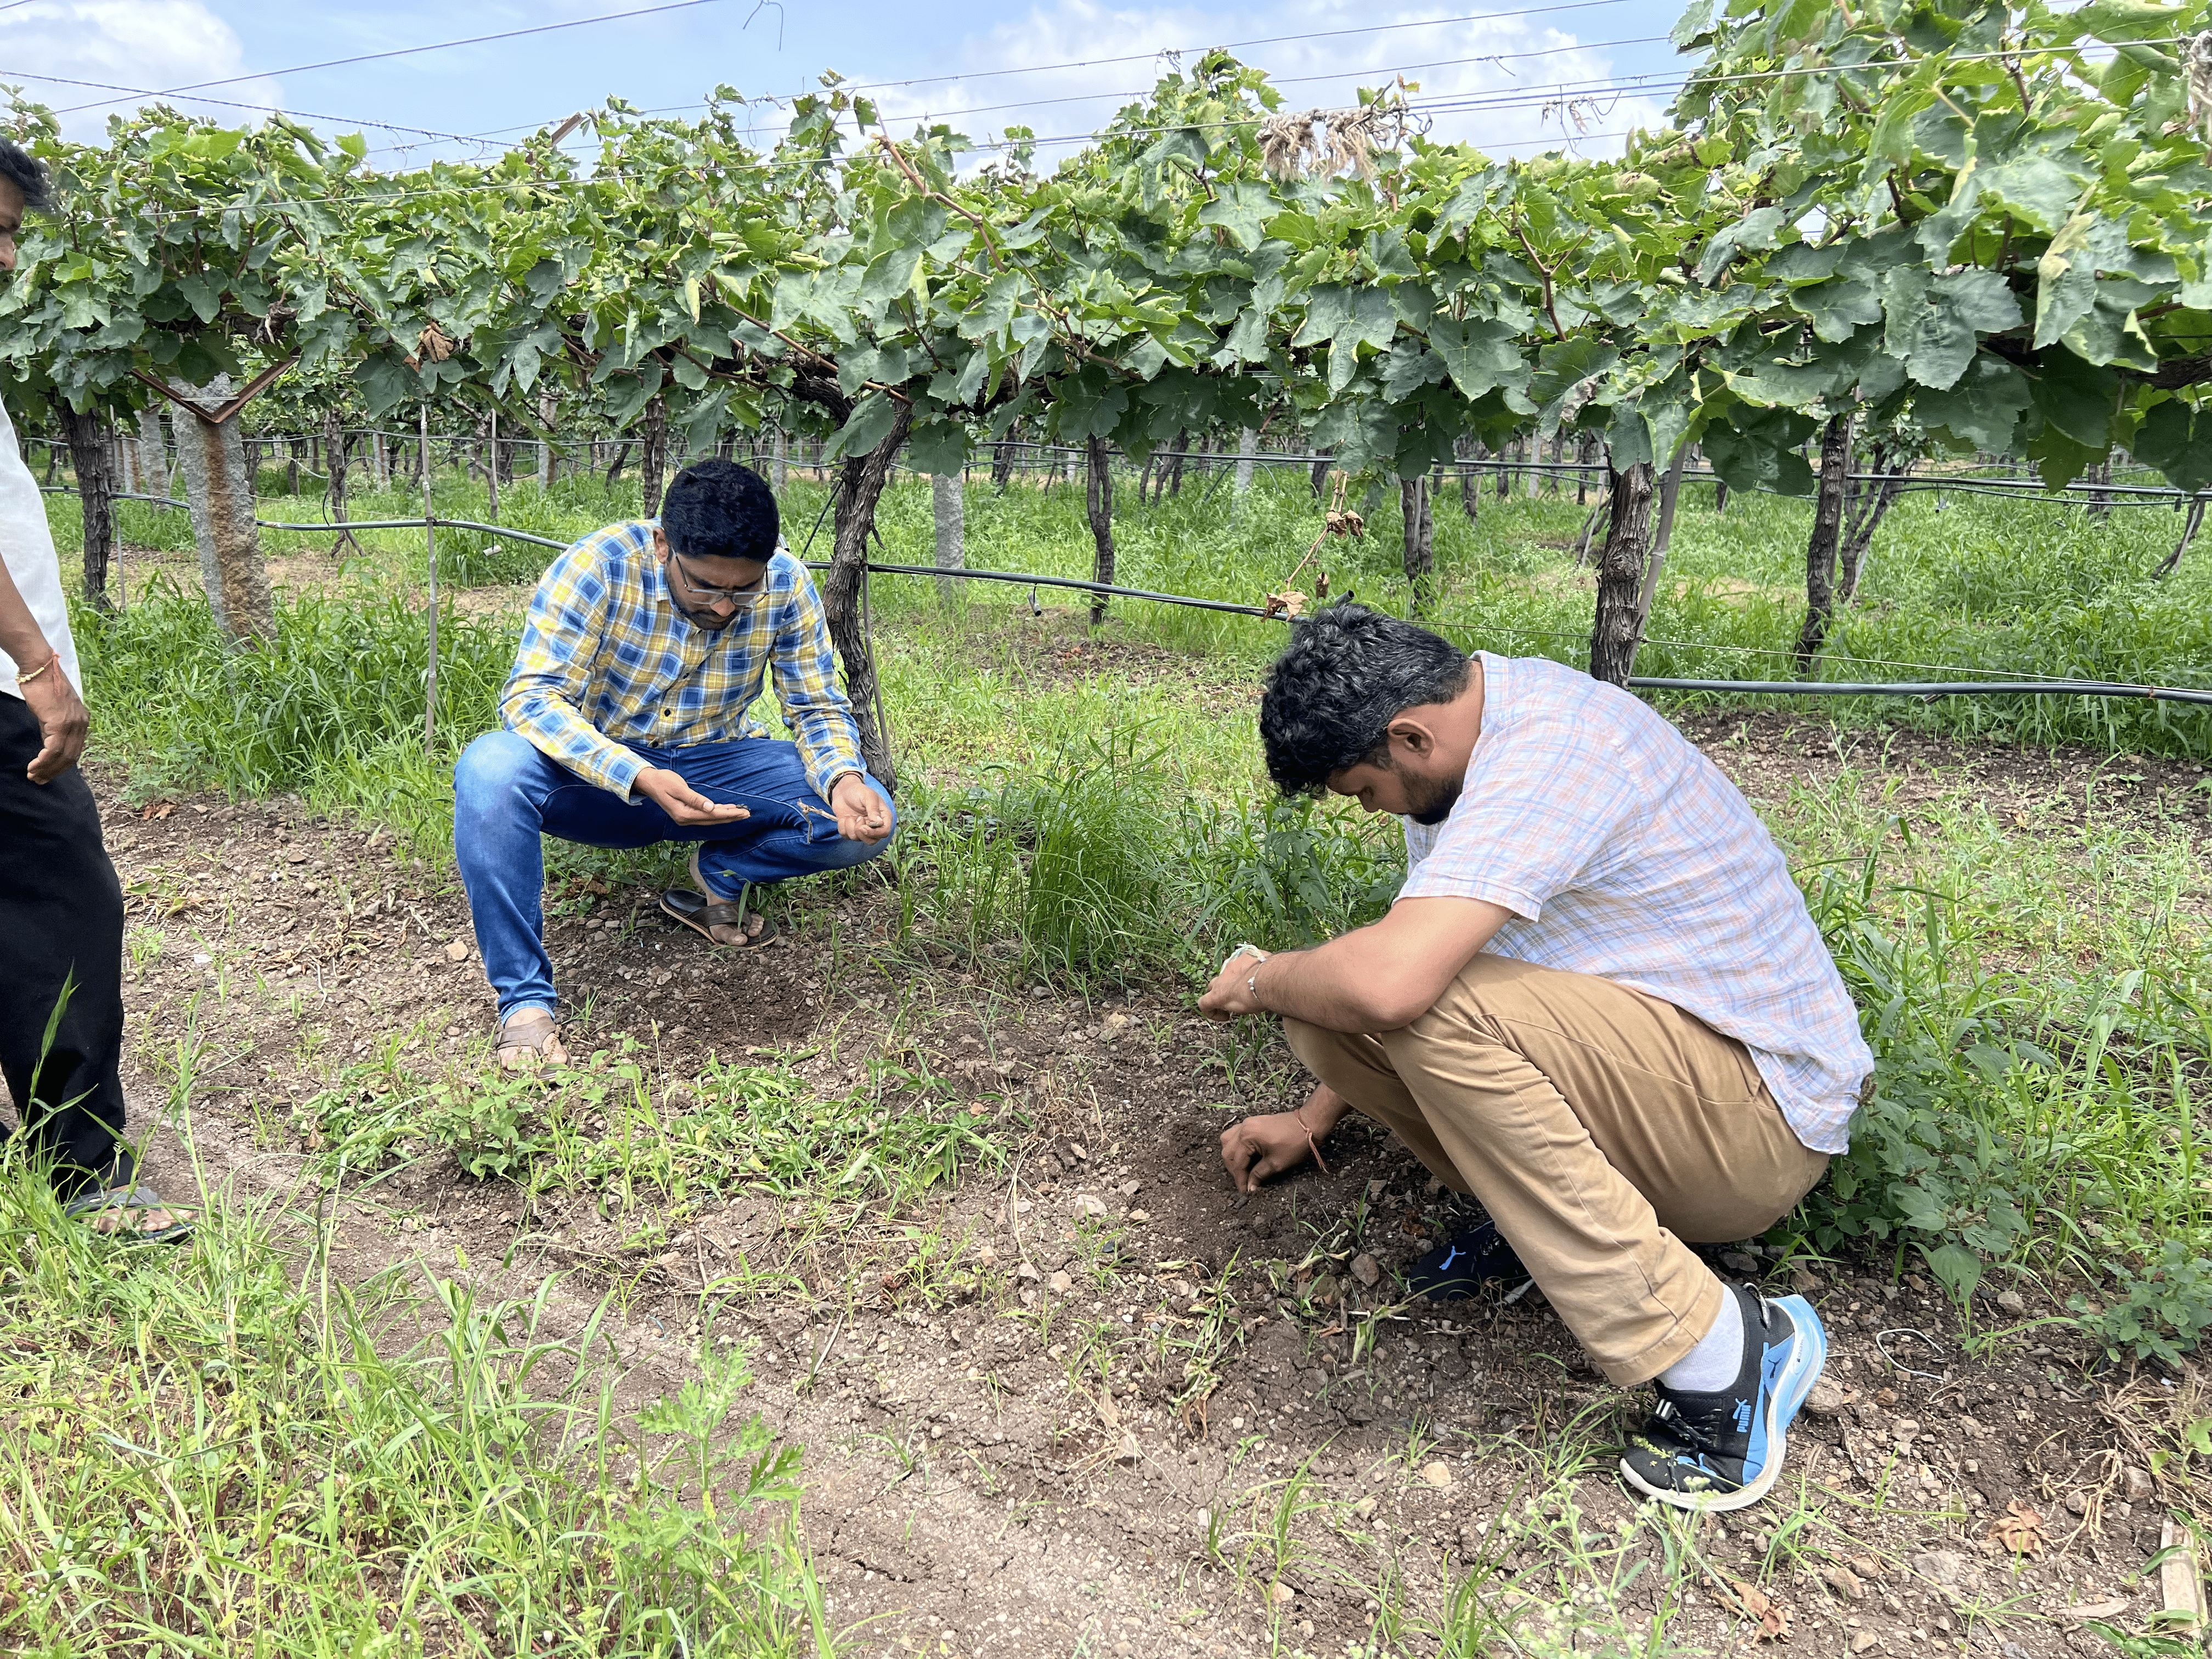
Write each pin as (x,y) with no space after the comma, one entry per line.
(1348,673)
(20,168)
(718,509)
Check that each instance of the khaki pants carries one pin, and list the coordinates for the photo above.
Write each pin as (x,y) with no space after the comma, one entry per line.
(1600,1127)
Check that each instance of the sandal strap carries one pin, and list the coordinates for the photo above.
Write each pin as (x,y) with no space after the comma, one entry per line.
(723,915)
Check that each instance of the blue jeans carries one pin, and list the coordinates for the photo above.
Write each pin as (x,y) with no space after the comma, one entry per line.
(507,795)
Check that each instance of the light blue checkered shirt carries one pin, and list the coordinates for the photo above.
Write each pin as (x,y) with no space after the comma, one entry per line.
(1623,852)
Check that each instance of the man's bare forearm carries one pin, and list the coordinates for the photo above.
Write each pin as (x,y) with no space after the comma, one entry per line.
(20,636)
(1314,987)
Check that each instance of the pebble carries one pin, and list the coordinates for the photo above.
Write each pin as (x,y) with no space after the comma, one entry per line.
(1061,1284)
(1941,1566)
(2012,1302)
(1087,1204)
(457,952)
(1437,1474)
(1365,1268)
(1827,1398)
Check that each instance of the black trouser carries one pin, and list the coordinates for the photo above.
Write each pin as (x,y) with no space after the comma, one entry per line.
(61,924)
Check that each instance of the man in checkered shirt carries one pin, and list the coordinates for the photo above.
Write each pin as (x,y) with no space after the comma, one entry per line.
(626,724)
(1599,1005)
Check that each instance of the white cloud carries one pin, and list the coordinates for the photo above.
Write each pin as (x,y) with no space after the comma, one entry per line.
(1512,85)
(154,44)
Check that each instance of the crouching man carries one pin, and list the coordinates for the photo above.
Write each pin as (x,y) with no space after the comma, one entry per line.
(1599,1005)
(625,725)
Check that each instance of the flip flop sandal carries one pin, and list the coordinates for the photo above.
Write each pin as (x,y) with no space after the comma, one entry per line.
(129,1198)
(704,917)
(524,1041)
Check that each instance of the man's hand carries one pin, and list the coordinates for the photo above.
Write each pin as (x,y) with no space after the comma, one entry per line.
(1230,994)
(862,814)
(1264,1146)
(683,804)
(62,721)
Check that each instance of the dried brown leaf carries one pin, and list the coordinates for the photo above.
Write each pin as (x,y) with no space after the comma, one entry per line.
(2020,1530)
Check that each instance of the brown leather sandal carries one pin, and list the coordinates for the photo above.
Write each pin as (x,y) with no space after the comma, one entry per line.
(715,921)
(719,924)
(528,1036)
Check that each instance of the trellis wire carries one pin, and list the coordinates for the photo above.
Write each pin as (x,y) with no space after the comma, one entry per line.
(1928,690)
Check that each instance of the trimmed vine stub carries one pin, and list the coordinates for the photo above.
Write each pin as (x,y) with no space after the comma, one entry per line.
(219,486)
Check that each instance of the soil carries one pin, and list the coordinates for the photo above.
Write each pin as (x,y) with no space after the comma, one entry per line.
(973,1486)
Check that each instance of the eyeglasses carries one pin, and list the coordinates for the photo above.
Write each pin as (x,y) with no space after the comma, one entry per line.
(742,598)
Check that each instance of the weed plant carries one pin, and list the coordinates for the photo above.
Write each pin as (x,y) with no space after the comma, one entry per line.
(203,1456)
(606,1125)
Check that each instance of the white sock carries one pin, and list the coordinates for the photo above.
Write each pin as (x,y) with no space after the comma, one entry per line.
(1714,1362)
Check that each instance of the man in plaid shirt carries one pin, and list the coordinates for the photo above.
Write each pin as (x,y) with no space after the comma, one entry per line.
(626,724)
(1598,1006)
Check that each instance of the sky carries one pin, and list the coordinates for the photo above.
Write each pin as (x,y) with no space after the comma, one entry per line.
(1517,77)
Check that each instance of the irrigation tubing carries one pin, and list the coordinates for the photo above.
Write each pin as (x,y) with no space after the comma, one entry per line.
(1928,690)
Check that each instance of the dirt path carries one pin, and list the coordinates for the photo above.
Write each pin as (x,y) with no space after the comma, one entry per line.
(1084,1399)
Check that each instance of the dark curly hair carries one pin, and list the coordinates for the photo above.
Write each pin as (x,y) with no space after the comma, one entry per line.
(20,168)
(717,509)
(1348,673)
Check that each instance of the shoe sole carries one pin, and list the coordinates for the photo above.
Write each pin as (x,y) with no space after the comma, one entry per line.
(1809,1358)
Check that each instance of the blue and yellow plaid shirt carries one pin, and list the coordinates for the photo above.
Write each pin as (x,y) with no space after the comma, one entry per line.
(607,661)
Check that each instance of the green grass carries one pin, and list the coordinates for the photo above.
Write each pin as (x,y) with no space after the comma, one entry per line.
(226,1449)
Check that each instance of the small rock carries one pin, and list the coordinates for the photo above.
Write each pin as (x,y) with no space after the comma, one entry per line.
(2012,1302)
(1862,1640)
(1366,1508)
(1088,1204)
(1365,1268)
(1026,1271)
(1941,1566)
(1884,1397)
(1842,1580)
(2078,1501)
(1141,1216)
(1130,1451)
(2138,1483)
(1437,1474)
(1282,1595)
(1827,1398)
(1737,1262)
(1060,1283)
(457,952)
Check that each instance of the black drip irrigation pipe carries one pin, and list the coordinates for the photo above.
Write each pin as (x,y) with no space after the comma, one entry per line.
(1927,690)
(1930,691)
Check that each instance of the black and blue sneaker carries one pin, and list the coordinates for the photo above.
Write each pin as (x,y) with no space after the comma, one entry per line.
(1725,1450)
(1475,1258)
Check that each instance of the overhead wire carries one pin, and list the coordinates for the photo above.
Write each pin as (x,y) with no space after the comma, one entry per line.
(1297,80)
(408,52)
(1129,58)
(342,121)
